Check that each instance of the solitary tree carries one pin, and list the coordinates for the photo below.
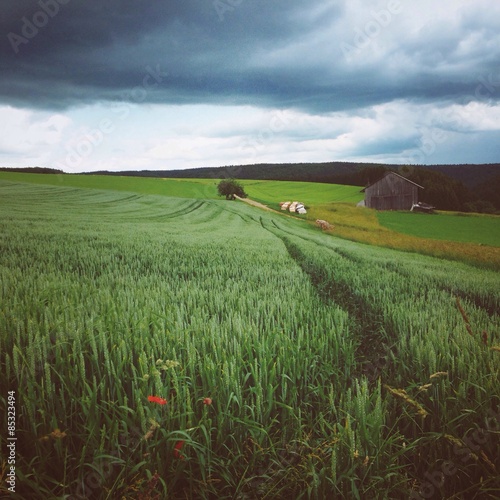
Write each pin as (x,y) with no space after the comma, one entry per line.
(230,188)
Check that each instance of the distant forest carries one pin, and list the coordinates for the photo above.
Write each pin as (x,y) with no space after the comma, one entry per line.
(468,188)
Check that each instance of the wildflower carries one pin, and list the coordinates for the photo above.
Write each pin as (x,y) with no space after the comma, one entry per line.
(154,425)
(156,399)
(55,434)
(148,435)
(170,364)
(207,401)
(177,449)
(167,364)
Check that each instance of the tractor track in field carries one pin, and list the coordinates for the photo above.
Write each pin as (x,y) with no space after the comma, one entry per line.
(487,304)
(186,210)
(368,323)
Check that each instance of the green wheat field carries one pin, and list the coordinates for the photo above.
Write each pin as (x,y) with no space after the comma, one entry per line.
(185,347)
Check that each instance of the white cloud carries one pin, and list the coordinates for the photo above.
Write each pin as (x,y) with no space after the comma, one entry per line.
(175,137)
(29,135)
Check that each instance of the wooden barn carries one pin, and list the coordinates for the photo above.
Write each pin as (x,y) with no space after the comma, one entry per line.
(391,192)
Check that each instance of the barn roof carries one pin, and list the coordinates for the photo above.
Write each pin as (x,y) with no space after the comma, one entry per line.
(393,173)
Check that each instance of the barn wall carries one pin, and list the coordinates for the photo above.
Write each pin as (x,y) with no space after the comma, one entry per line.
(391,193)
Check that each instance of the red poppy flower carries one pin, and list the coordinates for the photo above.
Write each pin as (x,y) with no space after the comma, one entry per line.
(157,399)
(177,449)
(207,401)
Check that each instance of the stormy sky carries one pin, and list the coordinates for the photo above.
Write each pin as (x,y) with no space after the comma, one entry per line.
(156,84)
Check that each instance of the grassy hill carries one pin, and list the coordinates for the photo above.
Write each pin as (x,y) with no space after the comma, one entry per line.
(309,193)
(470,188)
(334,203)
(267,192)
(192,188)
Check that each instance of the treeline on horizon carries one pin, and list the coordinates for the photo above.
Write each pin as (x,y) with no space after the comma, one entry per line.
(467,188)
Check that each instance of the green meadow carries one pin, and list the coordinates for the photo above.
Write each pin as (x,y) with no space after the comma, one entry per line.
(182,188)
(309,193)
(267,192)
(175,347)
(465,228)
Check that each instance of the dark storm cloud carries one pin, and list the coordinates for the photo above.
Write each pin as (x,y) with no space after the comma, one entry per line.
(56,53)
(285,53)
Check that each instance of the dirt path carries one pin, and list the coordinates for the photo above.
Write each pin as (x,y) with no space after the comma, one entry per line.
(265,207)
(255,203)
